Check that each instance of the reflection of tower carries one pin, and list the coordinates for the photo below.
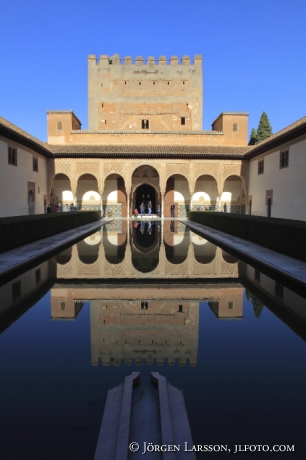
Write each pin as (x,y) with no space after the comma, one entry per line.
(229,304)
(63,305)
(150,330)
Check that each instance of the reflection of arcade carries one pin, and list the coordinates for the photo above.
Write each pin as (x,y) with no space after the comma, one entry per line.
(145,243)
(159,323)
(159,251)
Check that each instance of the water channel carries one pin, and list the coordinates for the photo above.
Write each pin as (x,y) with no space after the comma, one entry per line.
(149,297)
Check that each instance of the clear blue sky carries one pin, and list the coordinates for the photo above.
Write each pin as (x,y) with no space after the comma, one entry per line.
(254,53)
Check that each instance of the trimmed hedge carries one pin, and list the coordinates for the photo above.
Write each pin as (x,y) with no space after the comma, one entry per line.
(20,230)
(282,235)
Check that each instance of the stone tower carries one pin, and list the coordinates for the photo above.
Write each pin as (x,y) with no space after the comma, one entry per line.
(144,95)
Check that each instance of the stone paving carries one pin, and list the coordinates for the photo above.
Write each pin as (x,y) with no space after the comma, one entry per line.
(16,258)
(293,269)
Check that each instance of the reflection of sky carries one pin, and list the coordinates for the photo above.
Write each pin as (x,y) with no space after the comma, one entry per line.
(248,385)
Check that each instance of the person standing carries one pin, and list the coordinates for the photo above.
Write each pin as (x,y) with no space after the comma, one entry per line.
(149,208)
(142,209)
(172,209)
(158,210)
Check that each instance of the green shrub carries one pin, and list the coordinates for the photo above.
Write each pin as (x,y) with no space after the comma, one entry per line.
(19,230)
(281,235)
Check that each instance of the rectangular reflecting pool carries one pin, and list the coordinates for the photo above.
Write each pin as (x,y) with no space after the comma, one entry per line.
(146,296)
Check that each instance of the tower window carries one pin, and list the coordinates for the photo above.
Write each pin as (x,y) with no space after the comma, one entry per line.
(102,105)
(153,82)
(235,127)
(59,126)
(183,121)
(144,305)
(139,83)
(145,124)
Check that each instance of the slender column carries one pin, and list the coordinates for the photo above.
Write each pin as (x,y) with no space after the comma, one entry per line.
(190,203)
(74,197)
(128,211)
(162,204)
(101,202)
(218,203)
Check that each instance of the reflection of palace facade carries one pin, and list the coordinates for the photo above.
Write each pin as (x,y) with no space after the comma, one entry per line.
(151,321)
(168,252)
(23,287)
(129,321)
(269,289)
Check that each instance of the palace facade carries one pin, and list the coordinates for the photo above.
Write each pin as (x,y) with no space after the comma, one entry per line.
(145,142)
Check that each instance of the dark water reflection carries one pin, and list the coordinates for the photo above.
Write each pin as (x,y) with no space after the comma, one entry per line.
(149,299)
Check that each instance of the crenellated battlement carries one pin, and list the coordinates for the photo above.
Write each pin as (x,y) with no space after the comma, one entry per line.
(115,59)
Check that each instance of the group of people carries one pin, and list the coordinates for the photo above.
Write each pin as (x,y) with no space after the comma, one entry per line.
(59,208)
(142,209)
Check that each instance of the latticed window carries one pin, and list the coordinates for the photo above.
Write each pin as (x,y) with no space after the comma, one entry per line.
(284,158)
(279,290)
(35,164)
(59,126)
(12,156)
(16,290)
(235,127)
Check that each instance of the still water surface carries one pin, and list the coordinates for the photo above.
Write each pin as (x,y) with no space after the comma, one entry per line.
(149,298)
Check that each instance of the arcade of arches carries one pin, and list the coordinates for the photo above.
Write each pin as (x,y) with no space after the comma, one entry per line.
(118,188)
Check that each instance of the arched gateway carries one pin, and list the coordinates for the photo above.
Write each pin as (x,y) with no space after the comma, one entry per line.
(145,188)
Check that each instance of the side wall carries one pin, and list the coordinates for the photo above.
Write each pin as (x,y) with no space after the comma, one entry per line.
(287,184)
(15,181)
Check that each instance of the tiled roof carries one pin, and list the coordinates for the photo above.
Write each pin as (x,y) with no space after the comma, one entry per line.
(12,132)
(294,130)
(147,150)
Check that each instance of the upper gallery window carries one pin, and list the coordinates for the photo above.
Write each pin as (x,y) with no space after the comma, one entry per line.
(145,124)
(260,166)
(12,156)
(284,159)
(35,164)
